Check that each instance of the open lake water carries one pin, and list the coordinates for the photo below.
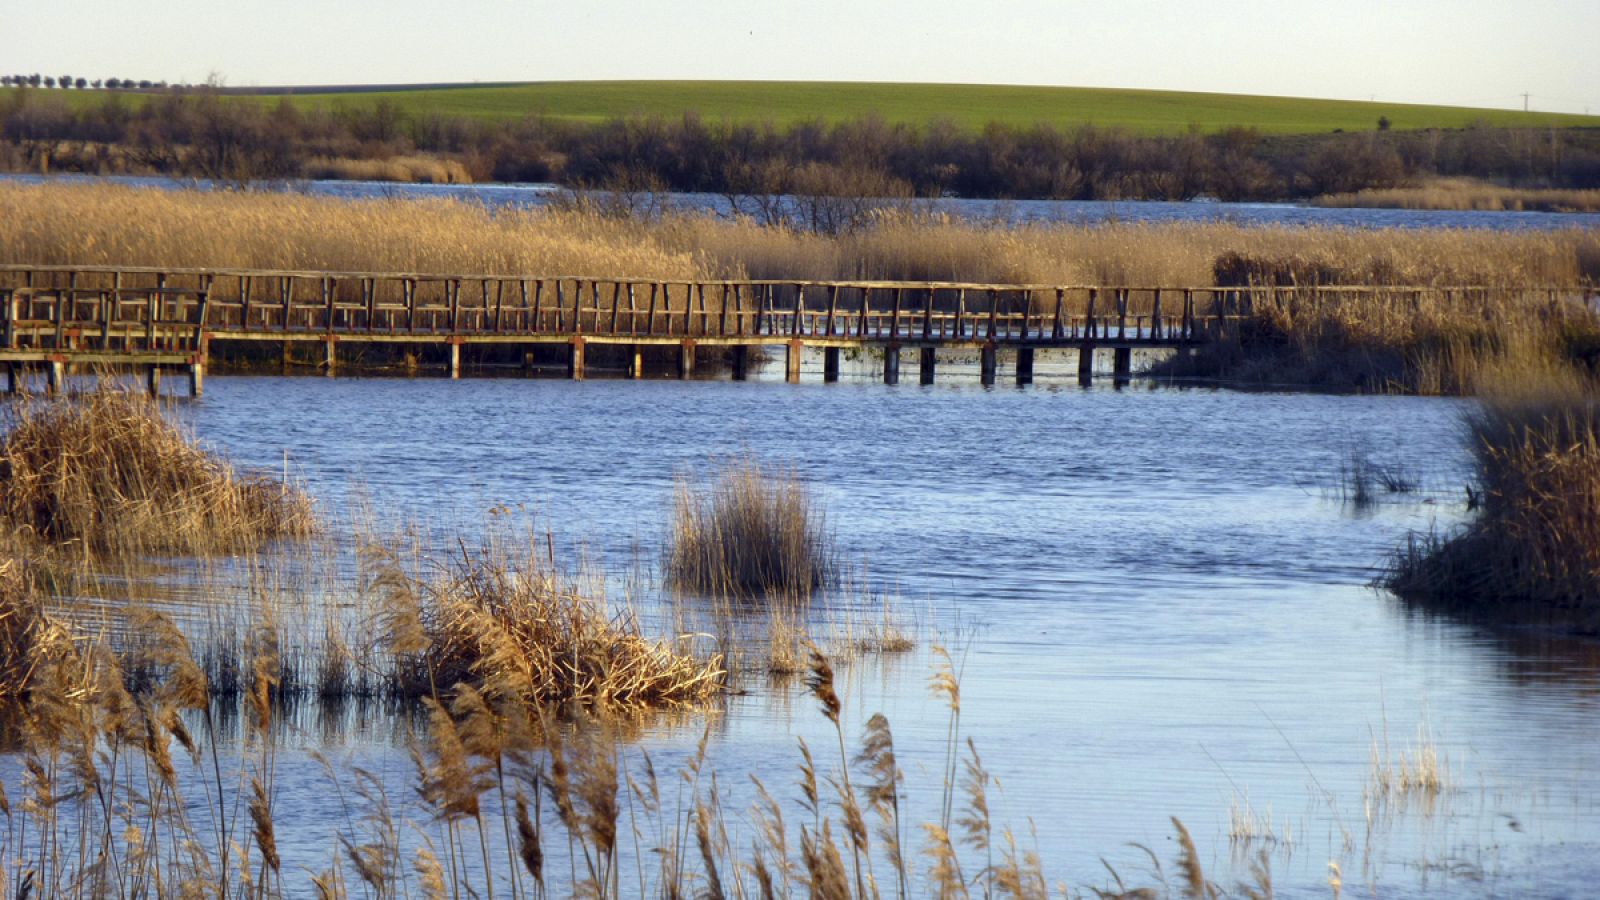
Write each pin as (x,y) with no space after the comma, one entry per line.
(1160,605)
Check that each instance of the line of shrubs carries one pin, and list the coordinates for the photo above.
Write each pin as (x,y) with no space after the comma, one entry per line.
(201,133)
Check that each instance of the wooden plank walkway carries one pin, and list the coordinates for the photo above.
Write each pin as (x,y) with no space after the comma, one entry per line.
(57,316)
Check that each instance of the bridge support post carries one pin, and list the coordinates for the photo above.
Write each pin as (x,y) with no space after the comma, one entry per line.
(830,364)
(741,362)
(1122,363)
(926,368)
(455,360)
(636,361)
(686,360)
(1024,365)
(55,375)
(152,380)
(197,378)
(330,356)
(575,359)
(288,346)
(891,364)
(1085,365)
(988,363)
(792,361)
(527,363)
(13,378)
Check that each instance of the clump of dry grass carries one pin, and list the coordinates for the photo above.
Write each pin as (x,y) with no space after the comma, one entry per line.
(106,471)
(1532,555)
(1442,342)
(408,169)
(503,623)
(752,531)
(1466,194)
(21,618)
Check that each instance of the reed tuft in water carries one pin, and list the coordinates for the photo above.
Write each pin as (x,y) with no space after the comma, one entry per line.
(753,531)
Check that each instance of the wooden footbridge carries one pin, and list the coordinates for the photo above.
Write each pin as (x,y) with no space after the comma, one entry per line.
(56,317)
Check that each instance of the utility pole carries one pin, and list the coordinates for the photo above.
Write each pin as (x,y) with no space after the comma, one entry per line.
(1524,102)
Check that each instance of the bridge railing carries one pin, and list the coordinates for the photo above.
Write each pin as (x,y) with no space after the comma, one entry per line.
(145,308)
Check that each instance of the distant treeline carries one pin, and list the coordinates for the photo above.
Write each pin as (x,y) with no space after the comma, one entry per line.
(200,133)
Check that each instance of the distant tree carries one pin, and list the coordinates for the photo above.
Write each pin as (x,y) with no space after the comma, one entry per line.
(80,83)
(34,79)
(1383,123)
(5,81)
(49,81)
(96,84)
(144,84)
(65,81)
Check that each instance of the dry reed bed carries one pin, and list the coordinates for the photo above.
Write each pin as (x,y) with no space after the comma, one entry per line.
(1532,554)
(84,224)
(1397,341)
(106,471)
(407,169)
(1467,194)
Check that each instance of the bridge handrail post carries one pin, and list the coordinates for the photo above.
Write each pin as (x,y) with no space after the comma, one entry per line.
(799,306)
(894,316)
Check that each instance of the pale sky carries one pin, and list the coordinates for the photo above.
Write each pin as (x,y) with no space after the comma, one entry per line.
(1458,52)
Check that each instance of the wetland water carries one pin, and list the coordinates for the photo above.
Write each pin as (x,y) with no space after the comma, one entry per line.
(1014,212)
(1160,604)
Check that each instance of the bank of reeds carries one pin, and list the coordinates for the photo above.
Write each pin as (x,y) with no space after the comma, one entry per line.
(405,169)
(106,471)
(1532,553)
(750,531)
(1396,340)
(86,224)
(1466,194)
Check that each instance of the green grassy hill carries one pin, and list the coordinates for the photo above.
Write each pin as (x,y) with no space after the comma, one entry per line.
(967,106)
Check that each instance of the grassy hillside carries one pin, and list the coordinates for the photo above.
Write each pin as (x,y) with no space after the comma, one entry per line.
(967,106)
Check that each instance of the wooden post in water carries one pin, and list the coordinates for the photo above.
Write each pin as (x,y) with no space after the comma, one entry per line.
(1085,364)
(197,378)
(1122,363)
(1024,365)
(330,356)
(575,359)
(455,359)
(13,378)
(686,360)
(152,380)
(636,361)
(891,364)
(741,362)
(830,364)
(792,361)
(988,363)
(926,368)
